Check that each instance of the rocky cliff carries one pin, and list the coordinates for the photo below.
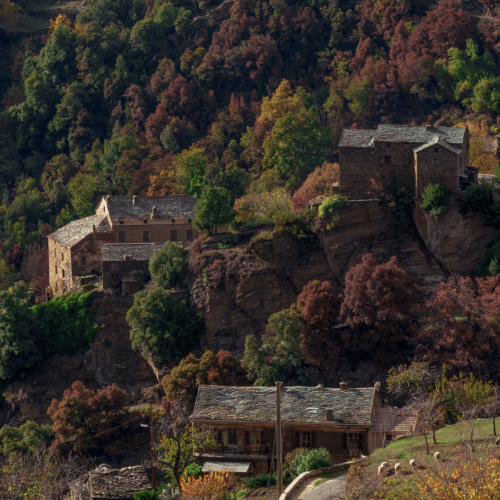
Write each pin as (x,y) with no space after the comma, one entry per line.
(236,290)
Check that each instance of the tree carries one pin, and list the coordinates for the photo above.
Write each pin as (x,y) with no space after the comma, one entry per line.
(167,265)
(26,438)
(180,441)
(162,326)
(493,408)
(213,210)
(85,420)
(20,346)
(279,356)
(319,308)
(435,197)
(380,308)
(213,369)
(459,326)
(263,206)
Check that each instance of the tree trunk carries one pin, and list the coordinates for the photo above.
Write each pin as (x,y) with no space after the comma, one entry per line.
(471,436)
(494,426)
(176,468)
(426,444)
(434,434)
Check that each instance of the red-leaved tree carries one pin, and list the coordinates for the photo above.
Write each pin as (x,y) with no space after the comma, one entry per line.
(460,327)
(380,307)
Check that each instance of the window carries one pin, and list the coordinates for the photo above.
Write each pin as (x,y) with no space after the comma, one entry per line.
(189,234)
(436,150)
(145,221)
(121,222)
(387,159)
(255,437)
(305,439)
(84,261)
(173,221)
(173,235)
(56,269)
(353,441)
(63,273)
(388,144)
(232,436)
(62,255)
(145,236)
(121,236)
(55,252)
(189,220)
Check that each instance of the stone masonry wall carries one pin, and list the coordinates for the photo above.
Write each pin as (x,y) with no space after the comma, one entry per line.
(113,272)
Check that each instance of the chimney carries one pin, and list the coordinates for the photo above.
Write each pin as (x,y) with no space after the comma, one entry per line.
(377,386)
(319,387)
(135,200)
(108,198)
(428,128)
(343,385)
(154,213)
(329,415)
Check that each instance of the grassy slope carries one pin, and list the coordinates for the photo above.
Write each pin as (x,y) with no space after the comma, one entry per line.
(36,14)
(402,450)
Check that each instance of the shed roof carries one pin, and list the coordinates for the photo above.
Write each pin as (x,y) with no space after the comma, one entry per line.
(219,466)
(118,484)
(396,420)
(401,133)
(298,405)
(74,232)
(133,251)
(167,207)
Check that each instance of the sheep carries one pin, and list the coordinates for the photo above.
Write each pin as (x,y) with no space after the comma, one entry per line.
(397,468)
(497,442)
(385,464)
(437,456)
(413,464)
(381,470)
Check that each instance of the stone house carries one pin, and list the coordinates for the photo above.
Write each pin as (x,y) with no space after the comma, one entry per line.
(126,264)
(244,418)
(75,249)
(390,423)
(411,157)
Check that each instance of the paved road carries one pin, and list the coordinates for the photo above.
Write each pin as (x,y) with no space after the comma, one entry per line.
(332,489)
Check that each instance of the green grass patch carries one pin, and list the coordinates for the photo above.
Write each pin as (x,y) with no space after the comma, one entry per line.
(240,494)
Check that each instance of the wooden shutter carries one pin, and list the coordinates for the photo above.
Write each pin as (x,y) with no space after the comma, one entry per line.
(313,440)
(219,437)
(297,439)
(247,438)
(344,444)
(360,442)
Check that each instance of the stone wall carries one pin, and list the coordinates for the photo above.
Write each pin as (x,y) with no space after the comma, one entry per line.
(159,231)
(113,272)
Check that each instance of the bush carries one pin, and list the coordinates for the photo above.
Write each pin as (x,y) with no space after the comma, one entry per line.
(60,336)
(259,481)
(26,438)
(149,494)
(303,460)
(489,265)
(167,265)
(294,224)
(434,198)
(477,198)
(227,242)
(264,206)
(193,470)
(162,326)
(214,485)
(328,209)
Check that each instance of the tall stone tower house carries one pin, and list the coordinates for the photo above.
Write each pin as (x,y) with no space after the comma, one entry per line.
(410,157)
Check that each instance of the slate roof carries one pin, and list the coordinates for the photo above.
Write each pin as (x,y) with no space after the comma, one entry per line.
(298,405)
(135,251)
(74,232)
(401,133)
(167,207)
(118,484)
(437,140)
(396,420)
(219,466)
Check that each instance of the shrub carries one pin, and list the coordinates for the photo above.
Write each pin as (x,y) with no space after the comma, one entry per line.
(435,197)
(258,481)
(489,265)
(303,460)
(26,438)
(214,485)
(477,198)
(193,470)
(167,265)
(227,242)
(162,326)
(60,336)
(153,494)
(294,224)
(264,206)
(261,236)
(328,209)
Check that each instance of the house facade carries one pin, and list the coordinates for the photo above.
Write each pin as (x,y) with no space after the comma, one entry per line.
(244,419)
(75,249)
(405,156)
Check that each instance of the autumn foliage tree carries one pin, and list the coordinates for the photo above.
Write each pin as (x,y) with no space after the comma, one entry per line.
(379,307)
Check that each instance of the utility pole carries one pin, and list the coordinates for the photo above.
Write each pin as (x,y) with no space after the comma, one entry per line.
(152,444)
(278,439)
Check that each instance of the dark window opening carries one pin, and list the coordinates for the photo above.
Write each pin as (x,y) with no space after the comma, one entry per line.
(63,273)
(305,439)
(436,150)
(56,269)
(62,256)
(84,261)
(121,222)
(145,221)
(173,235)
(189,234)
(121,236)
(173,221)
(388,144)
(145,236)
(387,159)
(55,252)
(232,436)
(189,220)
(353,442)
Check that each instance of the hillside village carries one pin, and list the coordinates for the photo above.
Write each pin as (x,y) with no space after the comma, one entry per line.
(249,250)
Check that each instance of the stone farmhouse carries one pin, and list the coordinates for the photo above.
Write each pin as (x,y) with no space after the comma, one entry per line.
(124,228)
(340,420)
(412,157)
